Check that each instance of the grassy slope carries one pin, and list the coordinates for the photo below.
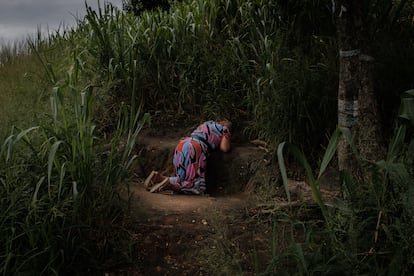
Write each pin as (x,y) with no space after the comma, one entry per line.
(22,95)
(24,86)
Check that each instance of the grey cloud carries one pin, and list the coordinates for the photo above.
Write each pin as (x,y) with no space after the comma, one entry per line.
(19,17)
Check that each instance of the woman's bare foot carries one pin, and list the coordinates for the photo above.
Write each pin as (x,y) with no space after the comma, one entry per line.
(160,186)
(149,180)
(153,178)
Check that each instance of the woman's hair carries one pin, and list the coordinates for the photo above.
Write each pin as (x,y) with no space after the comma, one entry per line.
(226,122)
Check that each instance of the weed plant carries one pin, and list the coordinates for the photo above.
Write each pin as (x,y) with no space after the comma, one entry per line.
(216,58)
(241,59)
(269,64)
(20,99)
(24,84)
(61,181)
(367,229)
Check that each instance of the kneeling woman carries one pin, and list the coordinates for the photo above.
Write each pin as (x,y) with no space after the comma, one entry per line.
(190,159)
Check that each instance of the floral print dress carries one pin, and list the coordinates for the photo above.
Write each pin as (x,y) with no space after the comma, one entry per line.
(190,157)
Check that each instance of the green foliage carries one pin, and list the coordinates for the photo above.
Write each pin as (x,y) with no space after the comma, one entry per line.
(60,184)
(138,6)
(368,227)
(270,64)
(223,58)
(20,99)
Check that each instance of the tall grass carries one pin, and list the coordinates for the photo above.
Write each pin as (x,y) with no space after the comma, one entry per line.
(367,229)
(268,64)
(20,99)
(225,58)
(241,59)
(24,84)
(60,180)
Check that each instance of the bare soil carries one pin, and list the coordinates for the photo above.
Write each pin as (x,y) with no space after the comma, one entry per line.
(227,232)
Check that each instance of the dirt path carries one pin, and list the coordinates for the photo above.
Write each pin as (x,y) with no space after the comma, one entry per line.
(226,233)
(181,234)
(167,203)
(203,235)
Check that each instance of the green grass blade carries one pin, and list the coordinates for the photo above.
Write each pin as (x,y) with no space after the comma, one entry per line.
(397,143)
(407,106)
(330,151)
(300,256)
(282,168)
(52,160)
(23,134)
(311,179)
(7,147)
(39,183)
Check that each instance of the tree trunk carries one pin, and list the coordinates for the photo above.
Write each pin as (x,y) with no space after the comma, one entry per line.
(357,106)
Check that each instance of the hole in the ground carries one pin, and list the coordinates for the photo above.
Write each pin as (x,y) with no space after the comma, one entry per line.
(244,167)
(223,177)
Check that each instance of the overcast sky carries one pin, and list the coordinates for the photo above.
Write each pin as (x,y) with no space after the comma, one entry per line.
(21,18)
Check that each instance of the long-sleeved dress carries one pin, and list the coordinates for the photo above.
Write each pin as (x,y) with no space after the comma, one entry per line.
(190,156)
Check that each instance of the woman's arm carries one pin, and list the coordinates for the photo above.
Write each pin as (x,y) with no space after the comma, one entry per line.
(225,144)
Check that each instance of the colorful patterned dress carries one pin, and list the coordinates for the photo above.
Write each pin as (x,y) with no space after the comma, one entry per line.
(190,157)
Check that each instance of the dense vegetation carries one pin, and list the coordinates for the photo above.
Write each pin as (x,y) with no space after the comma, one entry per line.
(270,67)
